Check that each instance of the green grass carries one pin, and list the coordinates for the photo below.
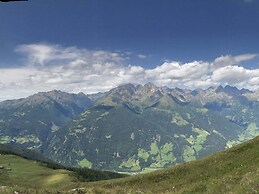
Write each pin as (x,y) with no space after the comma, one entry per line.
(132,164)
(188,154)
(30,174)
(5,139)
(143,154)
(178,120)
(250,132)
(148,170)
(85,163)
(167,152)
(28,177)
(154,149)
(233,171)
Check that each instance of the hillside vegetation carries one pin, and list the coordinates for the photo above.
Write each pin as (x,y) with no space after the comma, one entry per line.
(142,128)
(235,170)
(28,172)
(28,122)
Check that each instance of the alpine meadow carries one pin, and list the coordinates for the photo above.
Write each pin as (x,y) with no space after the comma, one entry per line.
(129,96)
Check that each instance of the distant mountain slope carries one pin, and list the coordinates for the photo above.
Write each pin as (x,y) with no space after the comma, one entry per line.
(29,122)
(232,171)
(131,128)
(24,153)
(137,128)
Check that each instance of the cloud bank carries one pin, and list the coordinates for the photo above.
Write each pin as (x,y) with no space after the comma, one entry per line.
(72,69)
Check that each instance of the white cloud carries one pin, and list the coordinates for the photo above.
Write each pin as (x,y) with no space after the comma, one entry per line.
(47,54)
(230,74)
(178,71)
(141,56)
(73,70)
(254,81)
(232,60)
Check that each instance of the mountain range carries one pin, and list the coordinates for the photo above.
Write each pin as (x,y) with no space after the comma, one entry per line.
(131,128)
(29,122)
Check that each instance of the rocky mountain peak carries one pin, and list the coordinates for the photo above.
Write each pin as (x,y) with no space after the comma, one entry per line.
(150,85)
(123,91)
(231,90)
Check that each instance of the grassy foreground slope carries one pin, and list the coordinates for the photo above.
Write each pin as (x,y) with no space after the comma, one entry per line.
(26,171)
(31,175)
(235,170)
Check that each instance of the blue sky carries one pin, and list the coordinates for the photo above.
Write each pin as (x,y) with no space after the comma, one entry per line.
(135,40)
